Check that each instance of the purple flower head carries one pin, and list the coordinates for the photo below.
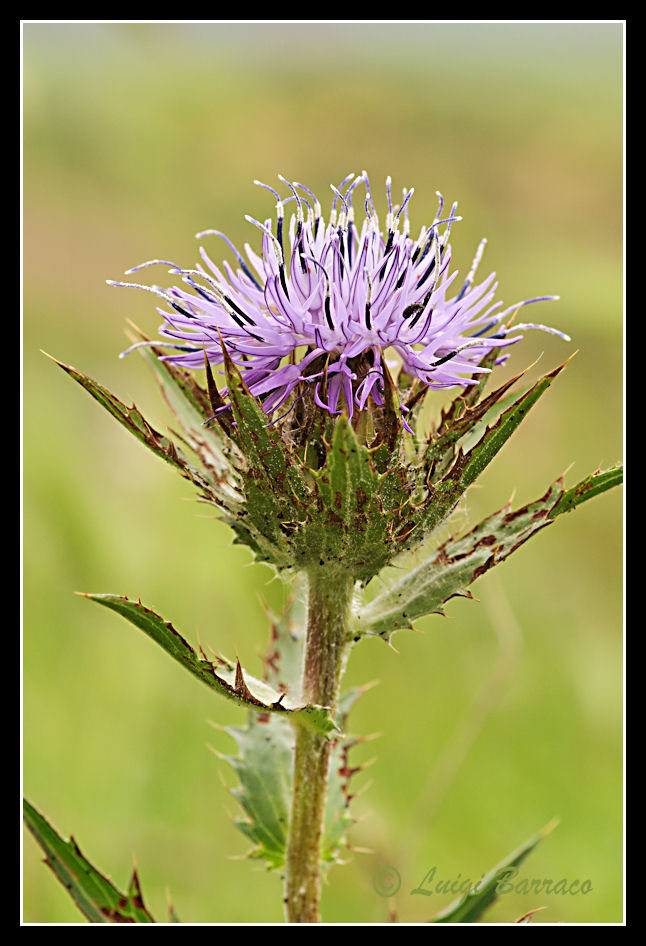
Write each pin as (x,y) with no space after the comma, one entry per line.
(324,305)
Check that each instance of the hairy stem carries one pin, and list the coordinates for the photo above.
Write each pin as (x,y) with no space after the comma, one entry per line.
(329,599)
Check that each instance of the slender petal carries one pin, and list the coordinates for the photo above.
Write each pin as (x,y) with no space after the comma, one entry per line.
(343,291)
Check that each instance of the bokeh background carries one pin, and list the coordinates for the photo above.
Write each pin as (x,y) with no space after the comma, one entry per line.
(495,719)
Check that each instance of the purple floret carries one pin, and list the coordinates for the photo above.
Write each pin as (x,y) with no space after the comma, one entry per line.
(325,311)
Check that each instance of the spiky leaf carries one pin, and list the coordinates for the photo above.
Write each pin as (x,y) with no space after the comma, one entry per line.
(224,676)
(190,404)
(276,493)
(187,396)
(96,897)
(471,394)
(264,766)
(134,421)
(264,769)
(260,443)
(475,461)
(591,486)
(266,744)
(459,420)
(264,763)
(469,908)
(445,495)
(460,561)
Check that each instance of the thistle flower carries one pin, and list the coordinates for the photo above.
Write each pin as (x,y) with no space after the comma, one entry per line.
(323,315)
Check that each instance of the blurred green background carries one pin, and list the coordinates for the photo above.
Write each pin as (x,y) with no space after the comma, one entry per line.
(494,720)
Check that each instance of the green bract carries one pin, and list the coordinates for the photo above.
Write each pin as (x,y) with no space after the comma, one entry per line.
(316,491)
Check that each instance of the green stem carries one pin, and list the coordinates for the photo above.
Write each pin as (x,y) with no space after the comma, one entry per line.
(329,600)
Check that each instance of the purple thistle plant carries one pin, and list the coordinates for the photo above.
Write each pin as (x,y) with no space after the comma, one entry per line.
(328,501)
(328,311)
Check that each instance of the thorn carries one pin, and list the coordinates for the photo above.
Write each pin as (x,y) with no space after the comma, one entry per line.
(529,367)
(239,680)
(564,474)
(222,757)
(549,827)
(364,765)
(459,594)
(134,880)
(368,686)
(214,394)
(217,726)
(526,917)
(360,791)
(557,370)
(513,316)
(200,648)
(337,860)
(137,329)
(360,818)
(228,788)
(229,364)
(51,358)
